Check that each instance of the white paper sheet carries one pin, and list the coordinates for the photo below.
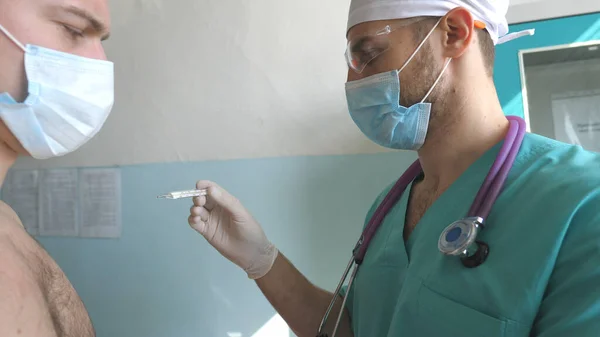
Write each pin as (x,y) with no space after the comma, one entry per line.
(58,202)
(100,203)
(20,191)
(577,120)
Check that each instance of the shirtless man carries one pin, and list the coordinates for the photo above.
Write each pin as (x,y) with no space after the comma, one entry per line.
(56,91)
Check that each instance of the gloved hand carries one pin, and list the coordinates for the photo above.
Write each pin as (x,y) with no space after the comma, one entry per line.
(231,229)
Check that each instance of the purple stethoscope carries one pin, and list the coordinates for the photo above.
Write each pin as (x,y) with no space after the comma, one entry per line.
(460,237)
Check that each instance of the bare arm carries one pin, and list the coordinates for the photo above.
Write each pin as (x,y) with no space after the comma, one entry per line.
(300,303)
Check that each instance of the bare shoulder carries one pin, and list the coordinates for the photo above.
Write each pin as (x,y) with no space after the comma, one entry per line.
(36,299)
(7,213)
(23,308)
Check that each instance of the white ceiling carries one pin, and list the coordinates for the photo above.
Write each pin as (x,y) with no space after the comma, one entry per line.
(534,10)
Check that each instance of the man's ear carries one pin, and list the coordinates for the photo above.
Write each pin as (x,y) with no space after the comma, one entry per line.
(458,27)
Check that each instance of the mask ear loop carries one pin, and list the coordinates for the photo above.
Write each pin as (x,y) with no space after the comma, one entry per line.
(12,38)
(420,45)
(437,80)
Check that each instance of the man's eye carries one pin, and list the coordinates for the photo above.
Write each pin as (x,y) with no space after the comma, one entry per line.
(74,32)
(368,55)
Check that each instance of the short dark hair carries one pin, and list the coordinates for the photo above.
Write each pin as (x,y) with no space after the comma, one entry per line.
(486,45)
(488,50)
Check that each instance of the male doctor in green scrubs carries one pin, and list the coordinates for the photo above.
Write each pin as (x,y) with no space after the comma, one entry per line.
(542,277)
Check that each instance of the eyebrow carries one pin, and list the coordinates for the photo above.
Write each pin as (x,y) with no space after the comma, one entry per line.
(96,24)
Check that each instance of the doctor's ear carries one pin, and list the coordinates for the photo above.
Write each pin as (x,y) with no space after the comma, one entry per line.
(458,27)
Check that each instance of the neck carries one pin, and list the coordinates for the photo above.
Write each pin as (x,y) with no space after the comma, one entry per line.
(472,122)
(7,159)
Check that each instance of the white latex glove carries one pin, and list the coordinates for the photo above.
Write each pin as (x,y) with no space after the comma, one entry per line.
(230,228)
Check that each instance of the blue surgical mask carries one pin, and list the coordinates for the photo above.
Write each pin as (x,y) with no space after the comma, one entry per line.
(374,105)
(69,99)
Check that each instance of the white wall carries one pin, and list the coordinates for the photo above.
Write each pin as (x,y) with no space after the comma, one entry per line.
(533,10)
(224,79)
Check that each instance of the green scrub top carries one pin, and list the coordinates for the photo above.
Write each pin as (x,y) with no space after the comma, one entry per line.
(541,278)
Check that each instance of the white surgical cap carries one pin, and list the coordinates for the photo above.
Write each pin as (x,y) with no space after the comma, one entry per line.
(490,12)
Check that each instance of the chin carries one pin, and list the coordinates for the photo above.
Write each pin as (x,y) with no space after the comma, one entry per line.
(10,152)
(18,148)
(10,143)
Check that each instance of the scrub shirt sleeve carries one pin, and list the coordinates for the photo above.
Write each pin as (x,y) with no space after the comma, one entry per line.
(571,305)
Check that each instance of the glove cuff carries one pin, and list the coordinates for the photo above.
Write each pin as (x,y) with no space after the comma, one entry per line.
(263,263)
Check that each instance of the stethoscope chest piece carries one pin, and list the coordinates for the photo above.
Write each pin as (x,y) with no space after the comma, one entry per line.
(460,239)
